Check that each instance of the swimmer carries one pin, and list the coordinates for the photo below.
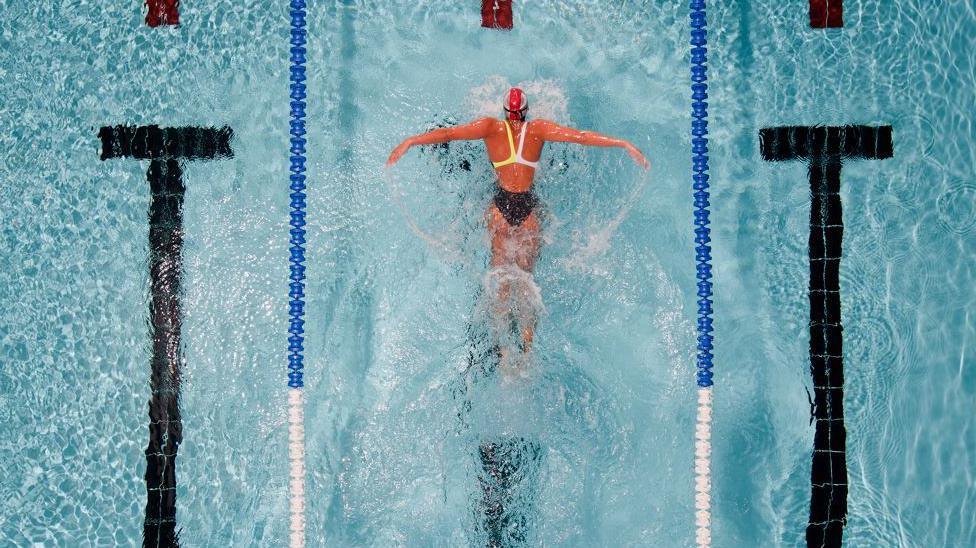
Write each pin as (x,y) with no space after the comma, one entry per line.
(512,222)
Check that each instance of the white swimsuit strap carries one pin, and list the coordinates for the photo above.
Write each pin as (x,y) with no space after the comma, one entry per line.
(518,155)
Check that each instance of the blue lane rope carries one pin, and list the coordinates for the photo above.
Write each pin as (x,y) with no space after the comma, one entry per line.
(296,288)
(699,167)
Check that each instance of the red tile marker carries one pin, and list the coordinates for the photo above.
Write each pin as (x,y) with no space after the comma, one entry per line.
(496,14)
(826,14)
(162,12)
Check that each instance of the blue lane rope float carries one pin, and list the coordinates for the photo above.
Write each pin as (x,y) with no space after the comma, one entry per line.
(699,163)
(703,271)
(296,293)
(296,276)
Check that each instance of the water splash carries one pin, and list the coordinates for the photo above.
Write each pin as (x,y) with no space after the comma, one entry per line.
(590,244)
(451,249)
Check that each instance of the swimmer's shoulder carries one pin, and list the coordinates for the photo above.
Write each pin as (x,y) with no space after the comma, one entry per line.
(539,127)
(489,123)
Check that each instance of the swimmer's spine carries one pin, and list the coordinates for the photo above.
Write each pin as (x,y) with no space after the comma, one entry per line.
(296,286)
(703,271)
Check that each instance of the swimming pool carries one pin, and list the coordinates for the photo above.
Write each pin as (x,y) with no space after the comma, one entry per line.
(394,410)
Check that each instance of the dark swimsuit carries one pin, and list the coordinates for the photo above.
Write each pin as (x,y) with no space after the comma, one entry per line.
(515,206)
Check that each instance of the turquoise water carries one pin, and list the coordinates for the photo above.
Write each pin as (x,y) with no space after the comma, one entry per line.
(397,267)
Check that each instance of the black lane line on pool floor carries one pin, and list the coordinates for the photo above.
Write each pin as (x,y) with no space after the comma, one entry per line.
(165,148)
(824,148)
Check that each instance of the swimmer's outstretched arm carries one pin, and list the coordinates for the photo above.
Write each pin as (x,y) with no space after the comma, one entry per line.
(551,131)
(478,129)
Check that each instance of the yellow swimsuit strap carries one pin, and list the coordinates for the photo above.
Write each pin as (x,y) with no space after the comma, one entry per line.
(511,147)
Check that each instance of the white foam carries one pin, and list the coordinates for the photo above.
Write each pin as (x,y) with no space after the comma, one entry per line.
(547,98)
(525,297)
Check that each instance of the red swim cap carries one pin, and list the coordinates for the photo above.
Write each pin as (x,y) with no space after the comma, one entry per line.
(515,104)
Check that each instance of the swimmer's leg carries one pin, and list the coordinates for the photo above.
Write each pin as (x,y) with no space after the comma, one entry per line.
(513,246)
(529,243)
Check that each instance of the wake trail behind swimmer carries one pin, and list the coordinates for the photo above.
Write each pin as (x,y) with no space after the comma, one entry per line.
(514,145)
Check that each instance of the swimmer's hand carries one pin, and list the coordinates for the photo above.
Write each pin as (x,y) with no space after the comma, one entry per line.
(635,153)
(398,152)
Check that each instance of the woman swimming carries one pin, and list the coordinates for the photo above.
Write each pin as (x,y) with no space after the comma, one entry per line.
(512,222)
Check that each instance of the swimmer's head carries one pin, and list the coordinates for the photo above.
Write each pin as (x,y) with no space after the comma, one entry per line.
(516,104)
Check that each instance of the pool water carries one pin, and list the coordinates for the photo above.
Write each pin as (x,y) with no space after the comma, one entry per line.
(401,401)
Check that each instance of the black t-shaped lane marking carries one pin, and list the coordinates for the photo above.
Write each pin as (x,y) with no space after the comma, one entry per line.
(165,148)
(824,149)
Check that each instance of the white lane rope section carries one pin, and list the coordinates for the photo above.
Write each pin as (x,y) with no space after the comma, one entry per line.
(296,467)
(703,469)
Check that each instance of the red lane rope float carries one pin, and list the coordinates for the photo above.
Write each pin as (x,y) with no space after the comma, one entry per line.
(826,14)
(162,12)
(497,14)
